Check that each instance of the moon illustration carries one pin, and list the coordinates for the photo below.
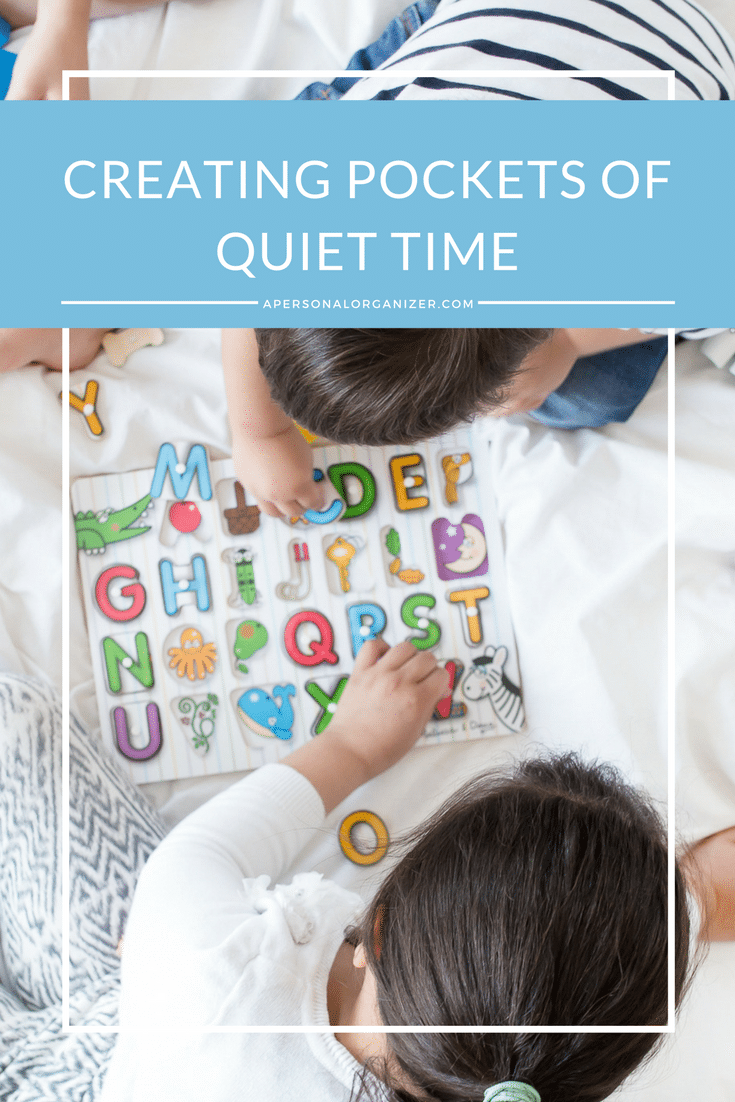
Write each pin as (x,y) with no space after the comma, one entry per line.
(472,551)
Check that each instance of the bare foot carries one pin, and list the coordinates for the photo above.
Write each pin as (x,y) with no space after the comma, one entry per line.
(20,347)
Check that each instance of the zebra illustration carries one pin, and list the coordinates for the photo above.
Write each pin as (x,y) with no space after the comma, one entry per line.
(486,678)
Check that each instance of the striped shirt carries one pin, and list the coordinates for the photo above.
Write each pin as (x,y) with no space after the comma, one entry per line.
(468,49)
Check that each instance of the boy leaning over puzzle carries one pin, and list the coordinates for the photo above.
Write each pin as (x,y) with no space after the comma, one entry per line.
(397,386)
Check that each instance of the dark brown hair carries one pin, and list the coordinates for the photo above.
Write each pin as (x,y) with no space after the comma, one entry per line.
(390,386)
(532,900)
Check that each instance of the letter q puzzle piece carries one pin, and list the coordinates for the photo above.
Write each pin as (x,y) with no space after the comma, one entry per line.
(121,344)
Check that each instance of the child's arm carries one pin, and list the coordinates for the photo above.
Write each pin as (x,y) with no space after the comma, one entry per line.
(547,366)
(710,869)
(58,41)
(385,706)
(272,459)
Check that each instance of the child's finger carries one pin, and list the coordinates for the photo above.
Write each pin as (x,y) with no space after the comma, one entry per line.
(371,651)
(268,508)
(399,655)
(438,684)
(420,667)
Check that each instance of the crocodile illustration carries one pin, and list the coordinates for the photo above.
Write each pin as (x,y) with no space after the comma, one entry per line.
(95,530)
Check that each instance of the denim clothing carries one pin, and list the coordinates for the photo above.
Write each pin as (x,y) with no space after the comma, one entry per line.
(373,56)
(603,388)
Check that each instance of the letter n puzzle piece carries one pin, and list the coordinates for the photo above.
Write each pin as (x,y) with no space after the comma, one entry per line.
(117,658)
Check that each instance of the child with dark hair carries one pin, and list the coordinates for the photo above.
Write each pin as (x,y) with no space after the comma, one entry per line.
(535,898)
(400,386)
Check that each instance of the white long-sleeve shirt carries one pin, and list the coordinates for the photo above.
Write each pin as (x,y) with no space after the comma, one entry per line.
(215,942)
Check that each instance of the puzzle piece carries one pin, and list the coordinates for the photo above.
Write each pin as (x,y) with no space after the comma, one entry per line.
(120,345)
(87,406)
(243,519)
(340,553)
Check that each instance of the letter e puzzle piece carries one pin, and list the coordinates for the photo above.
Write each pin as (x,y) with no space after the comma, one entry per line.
(404,483)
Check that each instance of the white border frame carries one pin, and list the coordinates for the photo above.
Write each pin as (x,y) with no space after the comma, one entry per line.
(331,74)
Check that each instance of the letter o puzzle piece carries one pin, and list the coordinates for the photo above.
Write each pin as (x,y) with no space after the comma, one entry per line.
(347,844)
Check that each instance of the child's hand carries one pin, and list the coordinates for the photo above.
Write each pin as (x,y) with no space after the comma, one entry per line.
(279,472)
(51,47)
(387,702)
(384,708)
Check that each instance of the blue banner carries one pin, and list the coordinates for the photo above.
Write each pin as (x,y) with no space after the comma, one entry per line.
(368,214)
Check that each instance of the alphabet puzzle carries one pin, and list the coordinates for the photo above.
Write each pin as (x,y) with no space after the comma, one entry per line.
(223,638)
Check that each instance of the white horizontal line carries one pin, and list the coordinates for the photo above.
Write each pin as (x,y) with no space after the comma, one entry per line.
(157,302)
(255,1029)
(576,302)
(360,74)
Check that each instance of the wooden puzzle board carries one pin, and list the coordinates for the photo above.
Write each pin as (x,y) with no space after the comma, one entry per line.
(219,635)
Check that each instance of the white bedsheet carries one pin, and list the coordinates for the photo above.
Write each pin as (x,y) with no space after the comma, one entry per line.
(584,526)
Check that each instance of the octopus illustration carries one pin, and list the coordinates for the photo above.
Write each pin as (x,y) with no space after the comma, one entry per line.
(194,657)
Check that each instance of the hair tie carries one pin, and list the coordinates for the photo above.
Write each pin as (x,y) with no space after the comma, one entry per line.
(512,1091)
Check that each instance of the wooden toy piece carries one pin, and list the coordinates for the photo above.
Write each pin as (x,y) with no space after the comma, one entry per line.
(327,704)
(456,469)
(241,560)
(403,482)
(94,531)
(471,621)
(460,549)
(122,735)
(121,344)
(379,829)
(392,558)
(182,474)
(172,589)
(135,592)
(423,623)
(487,678)
(193,658)
(341,552)
(250,636)
(343,476)
(259,711)
(320,649)
(182,518)
(308,436)
(299,584)
(360,632)
(243,519)
(87,406)
(116,657)
(448,707)
(198,716)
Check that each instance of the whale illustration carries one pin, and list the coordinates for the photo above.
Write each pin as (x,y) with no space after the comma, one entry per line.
(259,711)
